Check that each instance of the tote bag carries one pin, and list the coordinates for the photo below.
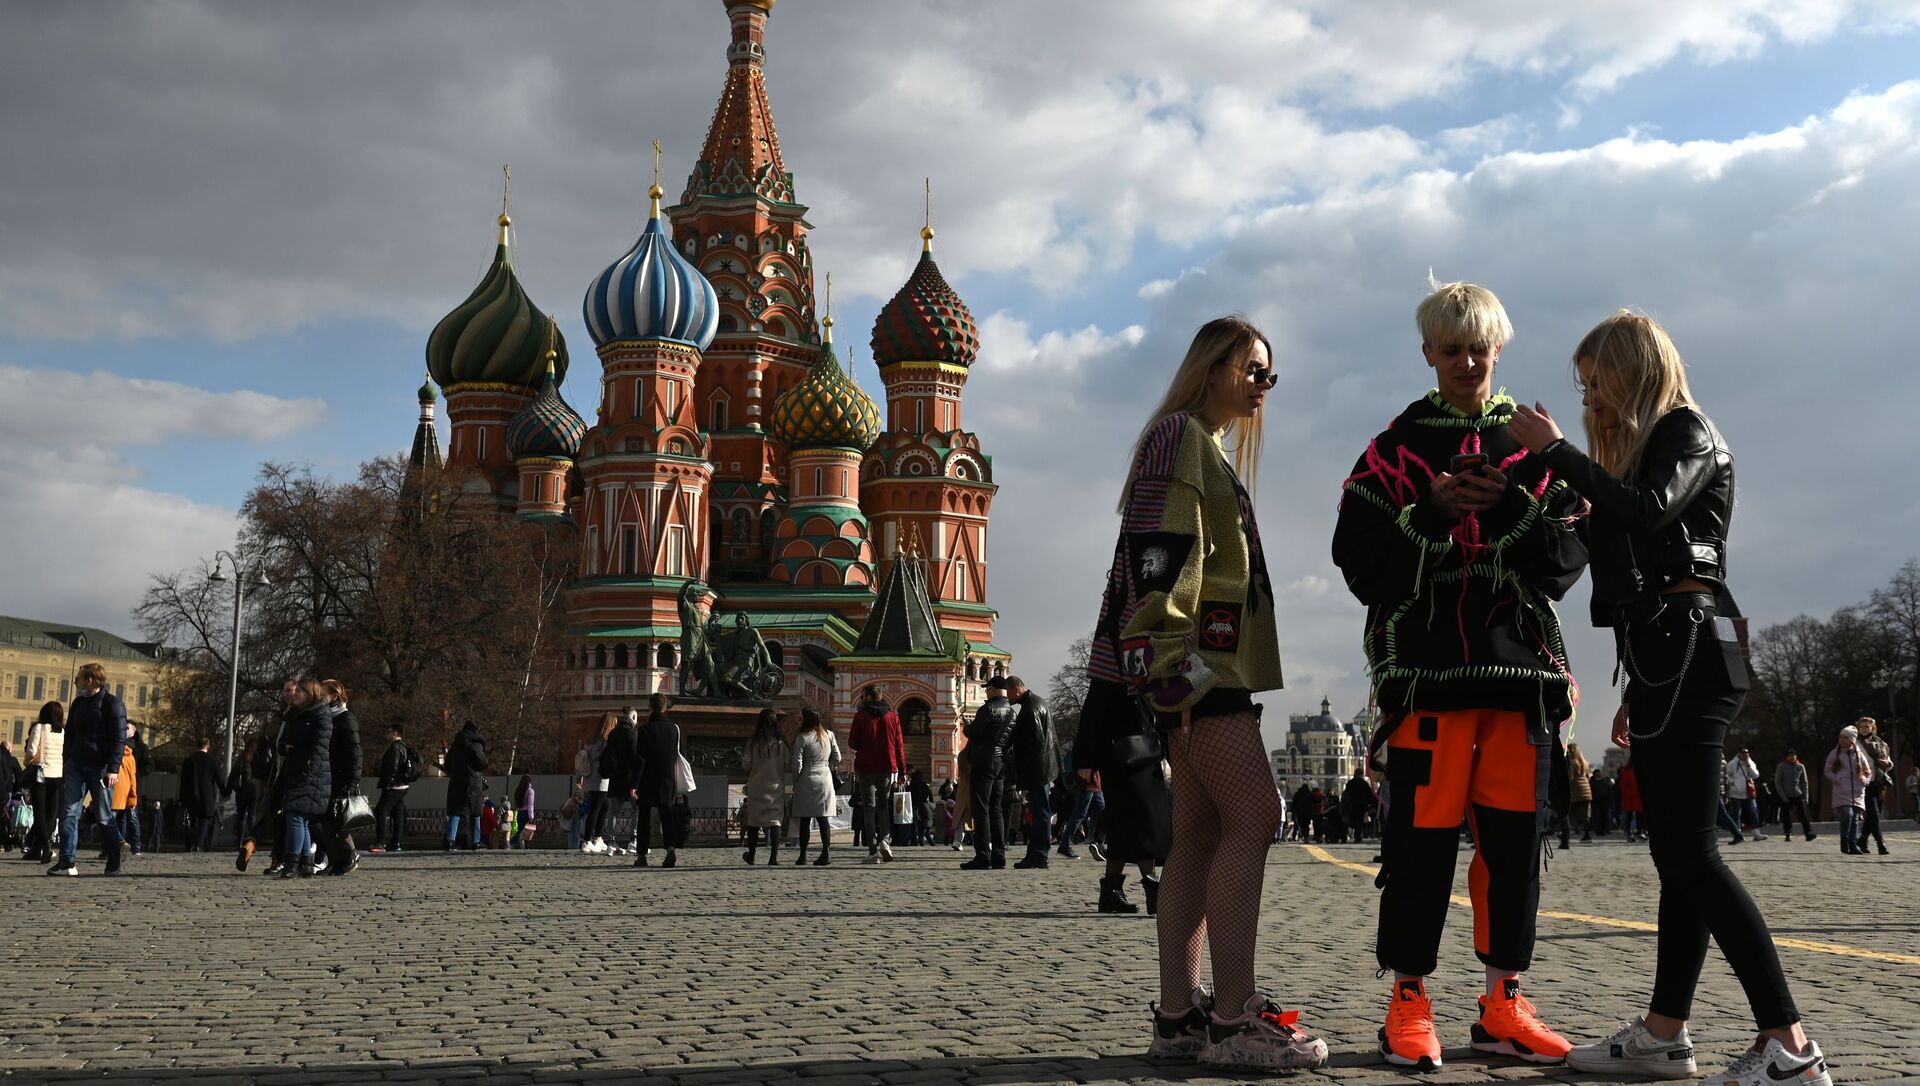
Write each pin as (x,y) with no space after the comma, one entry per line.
(682,775)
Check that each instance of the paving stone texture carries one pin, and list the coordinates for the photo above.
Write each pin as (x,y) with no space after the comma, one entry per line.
(551,967)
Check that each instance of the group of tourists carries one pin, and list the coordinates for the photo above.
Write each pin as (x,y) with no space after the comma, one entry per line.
(630,775)
(1459,528)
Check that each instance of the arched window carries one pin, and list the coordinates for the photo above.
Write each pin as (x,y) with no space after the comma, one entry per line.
(664,657)
(742,526)
(777,653)
(600,657)
(915,717)
(620,657)
(719,420)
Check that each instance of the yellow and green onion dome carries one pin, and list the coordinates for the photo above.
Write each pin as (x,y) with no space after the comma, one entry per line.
(496,336)
(547,427)
(827,410)
(926,321)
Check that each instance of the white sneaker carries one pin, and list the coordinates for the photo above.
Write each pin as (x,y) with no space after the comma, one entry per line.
(886,852)
(1098,852)
(1634,1050)
(1181,1038)
(597,846)
(616,850)
(1262,1038)
(1773,1065)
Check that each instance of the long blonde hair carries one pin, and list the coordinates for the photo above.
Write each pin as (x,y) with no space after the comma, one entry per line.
(1577,762)
(1639,372)
(1221,341)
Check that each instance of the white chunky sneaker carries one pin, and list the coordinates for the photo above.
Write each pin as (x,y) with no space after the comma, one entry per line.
(1181,1038)
(1634,1050)
(1262,1038)
(1774,1065)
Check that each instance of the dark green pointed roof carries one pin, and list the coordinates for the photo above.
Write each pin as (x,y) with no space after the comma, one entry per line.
(901,623)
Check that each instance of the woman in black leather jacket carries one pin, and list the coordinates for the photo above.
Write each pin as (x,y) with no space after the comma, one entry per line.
(1660,482)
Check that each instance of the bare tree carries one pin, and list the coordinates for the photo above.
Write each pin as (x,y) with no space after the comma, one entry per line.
(1067,690)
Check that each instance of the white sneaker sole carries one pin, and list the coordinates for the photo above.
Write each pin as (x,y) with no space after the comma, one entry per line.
(1506,1048)
(1289,1060)
(1645,1068)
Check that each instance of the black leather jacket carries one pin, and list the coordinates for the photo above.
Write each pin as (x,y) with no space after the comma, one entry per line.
(1036,748)
(990,735)
(1665,524)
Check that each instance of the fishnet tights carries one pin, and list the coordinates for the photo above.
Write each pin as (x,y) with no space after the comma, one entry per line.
(1224,814)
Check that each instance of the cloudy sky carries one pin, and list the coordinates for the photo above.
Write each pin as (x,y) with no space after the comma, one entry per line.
(226,230)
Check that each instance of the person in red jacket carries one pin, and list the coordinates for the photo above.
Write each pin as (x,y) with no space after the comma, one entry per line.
(1630,808)
(879,761)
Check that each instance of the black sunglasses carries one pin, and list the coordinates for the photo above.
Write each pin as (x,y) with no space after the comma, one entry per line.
(1263,375)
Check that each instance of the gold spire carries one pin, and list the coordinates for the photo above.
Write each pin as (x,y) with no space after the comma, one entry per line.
(913,539)
(506,188)
(826,335)
(926,229)
(656,191)
(553,355)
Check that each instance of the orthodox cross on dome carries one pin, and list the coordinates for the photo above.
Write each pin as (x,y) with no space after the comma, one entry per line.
(506,188)
(926,227)
(654,193)
(826,325)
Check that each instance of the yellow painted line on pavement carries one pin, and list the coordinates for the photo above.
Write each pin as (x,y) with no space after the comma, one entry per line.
(1370,871)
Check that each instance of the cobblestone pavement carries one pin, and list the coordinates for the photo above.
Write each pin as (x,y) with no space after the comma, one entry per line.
(554,967)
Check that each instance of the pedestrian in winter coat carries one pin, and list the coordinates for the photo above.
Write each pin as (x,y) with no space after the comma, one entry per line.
(595,784)
(466,763)
(1849,771)
(1579,793)
(879,762)
(1114,758)
(92,749)
(1790,784)
(1036,762)
(335,843)
(306,781)
(397,768)
(765,759)
(44,770)
(1876,752)
(200,794)
(816,754)
(620,766)
(657,756)
(1630,809)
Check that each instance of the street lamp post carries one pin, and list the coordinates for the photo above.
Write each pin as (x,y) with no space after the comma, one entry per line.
(233,681)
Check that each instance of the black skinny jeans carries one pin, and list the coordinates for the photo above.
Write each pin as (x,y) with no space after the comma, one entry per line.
(596,816)
(1680,772)
(46,815)
(826,835)
(1870,828)
(1789,808)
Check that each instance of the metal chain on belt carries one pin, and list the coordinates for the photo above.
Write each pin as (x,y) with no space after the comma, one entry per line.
(1697,619)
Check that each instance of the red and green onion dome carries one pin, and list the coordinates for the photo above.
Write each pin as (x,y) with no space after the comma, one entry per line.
(926,321)
(496,336)
(546,427)
(827,410)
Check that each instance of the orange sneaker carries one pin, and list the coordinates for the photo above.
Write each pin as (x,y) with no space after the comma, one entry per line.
(1509,1026)
(1408,1039)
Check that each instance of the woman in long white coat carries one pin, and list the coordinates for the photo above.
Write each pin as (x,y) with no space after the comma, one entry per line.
(816,751)
(767,763)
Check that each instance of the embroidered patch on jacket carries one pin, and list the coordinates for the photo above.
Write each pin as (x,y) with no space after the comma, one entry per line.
(1136,659)
(1220,626)
(1158,558)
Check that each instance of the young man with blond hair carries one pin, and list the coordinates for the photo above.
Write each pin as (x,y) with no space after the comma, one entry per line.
(1458,540)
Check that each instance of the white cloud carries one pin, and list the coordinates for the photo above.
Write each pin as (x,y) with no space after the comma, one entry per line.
(79,518)
(272,193)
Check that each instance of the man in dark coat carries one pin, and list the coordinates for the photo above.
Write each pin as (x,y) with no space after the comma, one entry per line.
(95,743)
(922,794)
(344,758)
(1036,762)
(620,765)
(200,797)
(1356,801)
(397,769)
(656,754)
(466,766)
(989,740)
(305,786)
(1301,808)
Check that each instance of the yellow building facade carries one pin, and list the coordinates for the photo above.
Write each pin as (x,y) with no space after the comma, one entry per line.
(38,661)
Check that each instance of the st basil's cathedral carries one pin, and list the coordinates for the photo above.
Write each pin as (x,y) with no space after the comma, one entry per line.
(731,447)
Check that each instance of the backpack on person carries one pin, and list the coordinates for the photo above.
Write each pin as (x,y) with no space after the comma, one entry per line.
(412,767)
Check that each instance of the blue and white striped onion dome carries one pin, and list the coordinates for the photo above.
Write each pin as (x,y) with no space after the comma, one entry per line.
(652,293)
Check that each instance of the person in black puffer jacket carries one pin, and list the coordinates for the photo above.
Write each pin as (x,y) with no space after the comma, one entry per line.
(306,782)
(657,753)
(466,765)
(344,756)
